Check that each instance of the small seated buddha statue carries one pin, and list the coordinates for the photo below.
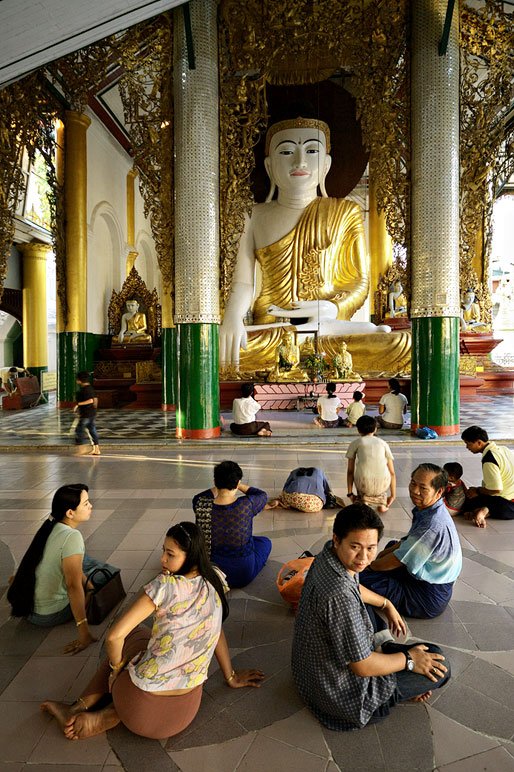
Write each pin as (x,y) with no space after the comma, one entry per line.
(470,313)
(397,303)
(343,364)
(287,360)
(133,328)
(307,349)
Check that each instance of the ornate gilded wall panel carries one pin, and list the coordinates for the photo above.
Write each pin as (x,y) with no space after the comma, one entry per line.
(146,55)
(487,140)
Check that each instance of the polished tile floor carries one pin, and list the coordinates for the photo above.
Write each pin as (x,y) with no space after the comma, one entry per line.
(467,727)
(47,427)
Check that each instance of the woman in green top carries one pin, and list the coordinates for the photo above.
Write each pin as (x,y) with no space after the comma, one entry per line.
(51,583)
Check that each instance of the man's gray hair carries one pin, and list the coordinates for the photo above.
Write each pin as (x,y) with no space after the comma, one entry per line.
(440,478)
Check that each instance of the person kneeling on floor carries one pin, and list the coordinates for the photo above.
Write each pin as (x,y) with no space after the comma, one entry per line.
(342,679)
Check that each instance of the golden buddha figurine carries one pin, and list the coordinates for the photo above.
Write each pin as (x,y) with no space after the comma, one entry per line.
(133,328)
(311,257)
(287,360)
(307,349)
(342,364)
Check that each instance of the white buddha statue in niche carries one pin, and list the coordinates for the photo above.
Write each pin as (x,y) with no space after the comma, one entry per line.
(308,249)
(133,327)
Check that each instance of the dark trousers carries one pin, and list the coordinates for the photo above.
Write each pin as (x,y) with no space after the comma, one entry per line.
(500,508)
(246,430)
(408,684)
(80,431)
(412,597)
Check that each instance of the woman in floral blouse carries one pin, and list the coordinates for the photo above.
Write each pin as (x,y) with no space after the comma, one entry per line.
(155,676)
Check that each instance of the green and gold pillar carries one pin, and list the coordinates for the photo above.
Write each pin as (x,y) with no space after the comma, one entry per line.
(435,219)
(196,128)
(35,326)
(72,352)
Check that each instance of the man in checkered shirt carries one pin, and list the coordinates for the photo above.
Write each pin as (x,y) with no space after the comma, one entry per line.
(343,681)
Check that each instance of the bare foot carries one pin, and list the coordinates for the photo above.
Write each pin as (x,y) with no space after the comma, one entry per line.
(273,504)
(82,451)
(421,697)
(382,508)
(61,711)
(90,724)
(94,453)
(480,516)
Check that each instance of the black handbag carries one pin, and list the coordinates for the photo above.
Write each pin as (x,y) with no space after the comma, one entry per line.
(104,597)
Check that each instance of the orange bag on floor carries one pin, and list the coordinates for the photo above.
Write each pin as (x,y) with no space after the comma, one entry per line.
(291,578)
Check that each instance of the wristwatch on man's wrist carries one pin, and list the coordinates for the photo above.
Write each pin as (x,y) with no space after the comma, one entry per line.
(409,662)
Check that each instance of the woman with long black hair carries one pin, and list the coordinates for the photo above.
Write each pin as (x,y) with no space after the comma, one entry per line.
(155,675)
(52,580)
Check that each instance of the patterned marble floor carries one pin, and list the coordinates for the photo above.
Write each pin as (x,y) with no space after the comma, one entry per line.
(467,727)
(47,427)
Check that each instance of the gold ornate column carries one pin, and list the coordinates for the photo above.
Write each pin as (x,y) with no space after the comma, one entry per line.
(75,186)
(131,233)
(59,171)
(35,327)
(73,350)
(380,242)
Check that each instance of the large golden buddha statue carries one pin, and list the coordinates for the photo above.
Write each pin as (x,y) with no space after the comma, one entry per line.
(311,263)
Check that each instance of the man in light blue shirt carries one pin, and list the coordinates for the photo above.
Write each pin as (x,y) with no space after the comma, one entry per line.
(417,573)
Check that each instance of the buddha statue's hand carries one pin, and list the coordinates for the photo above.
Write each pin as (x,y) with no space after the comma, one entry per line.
(232,338)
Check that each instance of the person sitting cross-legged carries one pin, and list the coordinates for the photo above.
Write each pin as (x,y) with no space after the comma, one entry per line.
(342,679)
(418,572)
(495,497)
(226,518)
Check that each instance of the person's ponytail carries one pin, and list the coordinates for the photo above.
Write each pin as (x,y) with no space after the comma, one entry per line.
(331,387)
(394,385)
(21,592)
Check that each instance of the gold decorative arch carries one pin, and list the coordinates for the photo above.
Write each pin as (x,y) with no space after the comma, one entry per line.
(134,288)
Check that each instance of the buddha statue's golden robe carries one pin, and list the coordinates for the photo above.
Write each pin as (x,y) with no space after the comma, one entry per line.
(322,258)
(136,324)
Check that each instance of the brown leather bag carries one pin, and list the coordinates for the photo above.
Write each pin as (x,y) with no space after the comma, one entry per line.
(104,597)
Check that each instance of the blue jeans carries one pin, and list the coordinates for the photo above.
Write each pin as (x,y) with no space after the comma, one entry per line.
(80,432)
(65,614)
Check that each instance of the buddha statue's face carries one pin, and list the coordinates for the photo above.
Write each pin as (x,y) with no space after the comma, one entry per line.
(298,160)
(468,298)
(132,306)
